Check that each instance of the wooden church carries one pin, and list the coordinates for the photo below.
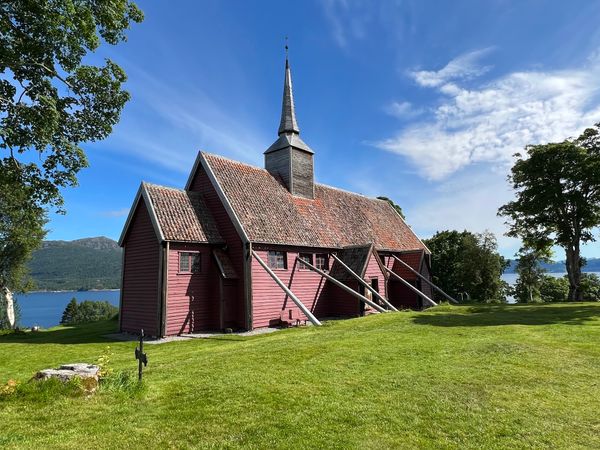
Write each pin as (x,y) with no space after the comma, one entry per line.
(243,247)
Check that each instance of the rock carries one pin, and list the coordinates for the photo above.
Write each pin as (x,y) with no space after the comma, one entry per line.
(88,373)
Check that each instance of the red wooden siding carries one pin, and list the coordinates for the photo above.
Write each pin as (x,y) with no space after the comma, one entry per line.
(398,294)
(235,248)
(140,296)
(269,300)
(193,298)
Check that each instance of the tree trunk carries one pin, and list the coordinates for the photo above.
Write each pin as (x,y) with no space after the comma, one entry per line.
(7,301)
(573,264)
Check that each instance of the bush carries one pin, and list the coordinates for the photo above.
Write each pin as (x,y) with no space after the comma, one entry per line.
(88,311)
(590,285)
(554,289)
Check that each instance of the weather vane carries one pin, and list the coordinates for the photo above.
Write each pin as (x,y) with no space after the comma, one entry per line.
(286,47)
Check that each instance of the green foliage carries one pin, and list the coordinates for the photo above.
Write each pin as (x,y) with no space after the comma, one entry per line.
(467,263)
(50,100)
(50,103)
(558,199)
(41,391)
(394,205)
(590,286)
(70,312)
(87,311)
(553,289)
(93,263)
(531,275)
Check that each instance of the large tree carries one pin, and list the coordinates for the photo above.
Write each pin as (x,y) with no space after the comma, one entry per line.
(468,263)
(558,199)
(52,101)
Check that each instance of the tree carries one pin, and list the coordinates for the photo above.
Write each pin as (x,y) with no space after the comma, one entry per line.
(554,289)
(467,263)
(394,205)
(50,103)
(558,199)
(531,275)
(70,313)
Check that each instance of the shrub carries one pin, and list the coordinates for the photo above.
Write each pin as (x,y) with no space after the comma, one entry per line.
(590,286)
(554,289)
(88,311)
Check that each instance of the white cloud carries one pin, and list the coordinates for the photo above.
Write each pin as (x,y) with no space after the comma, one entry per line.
(402,110)
(491,122)
(463,67)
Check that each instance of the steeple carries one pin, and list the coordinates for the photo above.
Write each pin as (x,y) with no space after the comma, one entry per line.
(288,123)
(289,158)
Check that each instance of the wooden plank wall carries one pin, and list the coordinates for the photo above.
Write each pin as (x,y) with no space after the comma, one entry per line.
(235,248)
(193,298)
(140,303)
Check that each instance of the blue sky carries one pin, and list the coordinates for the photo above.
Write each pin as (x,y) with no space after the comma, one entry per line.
(421,101)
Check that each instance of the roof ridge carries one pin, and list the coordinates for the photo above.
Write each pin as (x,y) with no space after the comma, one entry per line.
(145,183)
(265,170)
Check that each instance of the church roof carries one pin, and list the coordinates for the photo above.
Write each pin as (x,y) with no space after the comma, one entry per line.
(268,213)
(177,215)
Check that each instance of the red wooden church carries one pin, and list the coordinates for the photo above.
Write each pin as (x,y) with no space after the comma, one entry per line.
(244,247)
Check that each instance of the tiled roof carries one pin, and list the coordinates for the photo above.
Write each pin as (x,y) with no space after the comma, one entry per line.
(354,257)
(334,219)
(182,215)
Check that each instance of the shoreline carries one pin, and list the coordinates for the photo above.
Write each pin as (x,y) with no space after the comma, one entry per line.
(42,291)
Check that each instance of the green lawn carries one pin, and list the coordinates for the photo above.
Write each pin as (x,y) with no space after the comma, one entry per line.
(451,377)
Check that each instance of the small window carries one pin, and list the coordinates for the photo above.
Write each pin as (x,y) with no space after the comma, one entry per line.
(277,260)
(322,261)
(308,257)
(189,262)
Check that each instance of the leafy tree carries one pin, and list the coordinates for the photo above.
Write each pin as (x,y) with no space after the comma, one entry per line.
(70,312)
(394,205)
(88,311)
(531,275)
(50,103)
(467,263)
(590,287)
(554,289)
(558,199)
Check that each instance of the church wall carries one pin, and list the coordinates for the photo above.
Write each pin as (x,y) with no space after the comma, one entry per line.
(193,298)
(140,287)
(235,248)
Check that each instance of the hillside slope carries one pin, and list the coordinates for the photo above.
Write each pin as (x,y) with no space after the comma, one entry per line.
(466,377)
(90,263)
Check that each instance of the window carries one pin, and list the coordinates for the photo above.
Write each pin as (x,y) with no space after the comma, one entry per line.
(189,262)
(322,261)
(277,260)
(308,257)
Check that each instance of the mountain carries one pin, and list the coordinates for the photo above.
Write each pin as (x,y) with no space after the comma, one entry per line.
(82,264)
(592,265)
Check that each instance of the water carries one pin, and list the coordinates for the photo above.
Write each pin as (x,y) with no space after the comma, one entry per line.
(45,308)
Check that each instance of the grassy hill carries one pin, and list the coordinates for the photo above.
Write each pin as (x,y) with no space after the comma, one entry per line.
(452,377)
(91,263)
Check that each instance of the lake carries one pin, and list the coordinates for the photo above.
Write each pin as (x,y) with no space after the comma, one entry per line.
(45,308)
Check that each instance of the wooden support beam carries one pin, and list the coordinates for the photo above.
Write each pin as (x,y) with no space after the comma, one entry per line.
(364,283)
(424,279)
(282,285)
(410,286)
(342,286)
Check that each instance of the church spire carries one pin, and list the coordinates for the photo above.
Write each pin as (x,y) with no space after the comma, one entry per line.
(288,123)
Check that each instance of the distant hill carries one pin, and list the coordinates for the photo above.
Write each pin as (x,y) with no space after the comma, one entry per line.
(83,264)
(593,265)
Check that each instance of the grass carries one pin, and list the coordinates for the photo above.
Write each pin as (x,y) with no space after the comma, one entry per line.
(451,377)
